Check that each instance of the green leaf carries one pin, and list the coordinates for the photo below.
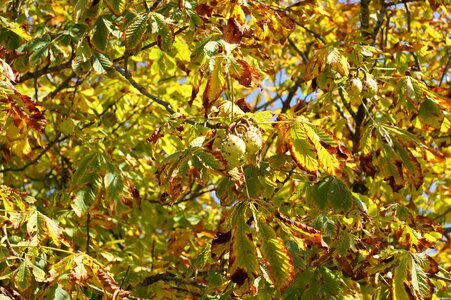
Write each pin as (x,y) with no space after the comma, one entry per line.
(430,114)
(165,36)
(100,35)
(82,201)
(299,284)
(209,160)
(301,149)
(253,185)
(332,191)
(38,273)
(39,50)
(400,281)
(114,184)
(134,33)
(101,63)
(61,294)
(23,279)
(276,255)
(243,262)
(225,191)
(117,7)
(80,9)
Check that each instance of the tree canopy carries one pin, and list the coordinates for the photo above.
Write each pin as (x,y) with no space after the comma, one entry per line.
(215,149)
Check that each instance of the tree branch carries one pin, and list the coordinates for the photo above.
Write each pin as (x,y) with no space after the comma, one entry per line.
(170,277)
(380,19)
(448,64)
(37,158)
(343,115)
(44,71)
(162,102)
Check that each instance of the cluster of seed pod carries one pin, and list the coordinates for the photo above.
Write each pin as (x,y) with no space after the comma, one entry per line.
(242,143)
(358,88)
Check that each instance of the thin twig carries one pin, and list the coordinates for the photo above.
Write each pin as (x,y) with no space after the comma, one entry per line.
(343,115)
(448,64)
(298,51)
(409,17)
(88,237)
(60,87)
(44,71)
(125,276)
(346,103)
(401,2)
(314,33)
(441,278)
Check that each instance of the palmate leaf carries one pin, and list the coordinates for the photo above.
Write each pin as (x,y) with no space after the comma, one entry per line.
(276,255)
(100,35)
(23,278)
(165,36)
(101,63)
(327,159)
(14,27)
(215,85)
(430,114)
(242,72)
(302,149)
(412,168)
(41,226)
(134,33)
(332,192)
(243,262)
(116,6)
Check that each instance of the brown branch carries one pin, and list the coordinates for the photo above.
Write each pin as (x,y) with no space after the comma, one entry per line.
(170,277)
(401,2)
(380,19)
(346,103)
(314,33)
(44,71)
(441,278)
(365,16)
(298,51)
(37,158)
(162,102)
(343,115)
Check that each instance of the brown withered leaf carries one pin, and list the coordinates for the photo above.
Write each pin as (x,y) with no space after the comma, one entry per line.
(232,32)
(241,102)
(309,234)
(156,135)
(25,112)
(204,10)
(196,82)
(220,244)
(242,72)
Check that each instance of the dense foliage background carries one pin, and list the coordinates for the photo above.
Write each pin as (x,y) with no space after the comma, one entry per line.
(215,149)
